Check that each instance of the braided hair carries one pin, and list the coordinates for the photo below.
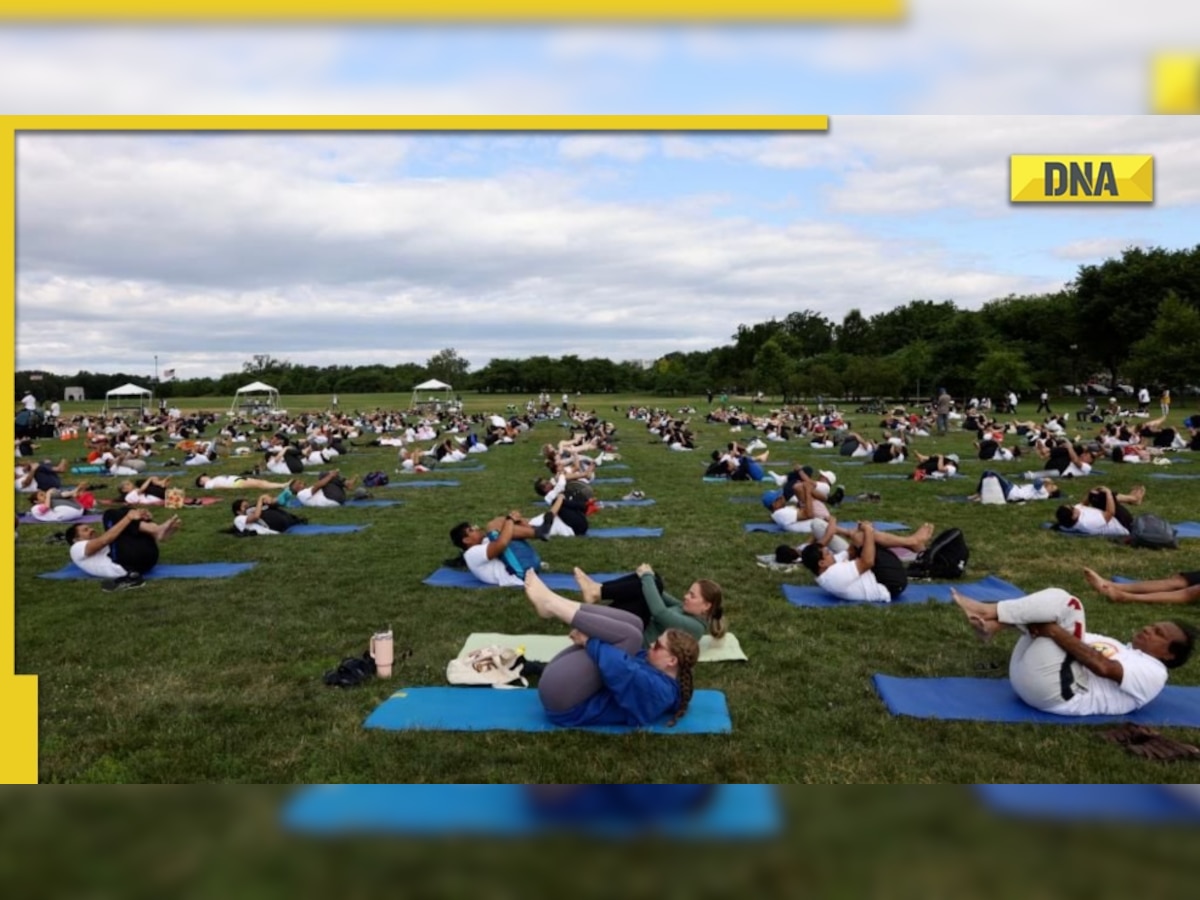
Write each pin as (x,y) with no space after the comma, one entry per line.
(685,649)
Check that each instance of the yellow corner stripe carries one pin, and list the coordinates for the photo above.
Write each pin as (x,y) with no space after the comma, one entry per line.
(1082,179)
(19,712)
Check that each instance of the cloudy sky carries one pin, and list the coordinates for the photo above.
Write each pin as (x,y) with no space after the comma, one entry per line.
(328,249)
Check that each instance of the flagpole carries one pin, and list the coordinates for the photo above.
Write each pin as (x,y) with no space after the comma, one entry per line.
(156,368)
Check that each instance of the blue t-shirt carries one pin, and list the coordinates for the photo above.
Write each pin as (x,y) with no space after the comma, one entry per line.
(634,692)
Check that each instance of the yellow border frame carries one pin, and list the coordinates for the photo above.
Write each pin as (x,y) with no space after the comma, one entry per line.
(461,12)
(18,693)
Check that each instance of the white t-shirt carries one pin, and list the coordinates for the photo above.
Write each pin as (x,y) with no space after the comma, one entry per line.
(844,581)
(99,564)
(223,481)
(1078,471)
(1143,679)
(137,497)
(1027,492)
(308,498)
(489,571)
(240,523)
(44,513)
(788,518)
(1091,521)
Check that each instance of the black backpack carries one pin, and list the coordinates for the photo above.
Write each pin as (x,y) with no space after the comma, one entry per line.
(945,557)
(1149,530)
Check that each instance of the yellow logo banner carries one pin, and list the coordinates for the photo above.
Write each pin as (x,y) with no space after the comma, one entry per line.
(1176,85)
(1082,179)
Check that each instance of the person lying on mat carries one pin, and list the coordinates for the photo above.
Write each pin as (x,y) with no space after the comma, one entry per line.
(328,490)
(606,678)
(1102,512)
(1039,489)
(151,492)
(700,612)
(235,482)
(78,497)
(1058,667)
(1182,587)
(869,569)
(126,550)
(483,548)
(266,516)
(30,479)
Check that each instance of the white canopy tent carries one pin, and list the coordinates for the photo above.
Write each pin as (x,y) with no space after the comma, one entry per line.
(255,397)
(432,391)
(128,396)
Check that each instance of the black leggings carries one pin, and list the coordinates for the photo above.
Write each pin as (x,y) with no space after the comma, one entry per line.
(626,593)
(889,571)
(1098,500)
(133,550)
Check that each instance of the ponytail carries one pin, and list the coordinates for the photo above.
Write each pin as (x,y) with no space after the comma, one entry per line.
(686,650)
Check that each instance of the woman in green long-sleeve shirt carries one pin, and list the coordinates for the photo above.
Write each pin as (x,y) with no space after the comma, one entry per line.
(700,611)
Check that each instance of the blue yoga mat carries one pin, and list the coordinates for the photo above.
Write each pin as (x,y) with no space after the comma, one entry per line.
(608,467)
(953,498)
(1165,476)
(894,476)
(773,528)
(736,811)
(165,570)
(1182,530)
(993,700)
(324,529)
(372,503)
(485,709)
(421,484)
(612,481)
(1090,802)
(558,581)
(462,467)
(609,504)
(631,531)
(986,590)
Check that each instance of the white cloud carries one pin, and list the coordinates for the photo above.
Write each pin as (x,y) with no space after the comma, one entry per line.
(625,148)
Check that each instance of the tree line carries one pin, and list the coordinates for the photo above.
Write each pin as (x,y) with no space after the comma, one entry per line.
(1133,318)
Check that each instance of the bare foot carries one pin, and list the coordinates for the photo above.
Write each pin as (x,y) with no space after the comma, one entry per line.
(588,586)
(972,608)
(924,533)
(1137,495)
(985,628)
(539,595)
(171,526)
(1102,585)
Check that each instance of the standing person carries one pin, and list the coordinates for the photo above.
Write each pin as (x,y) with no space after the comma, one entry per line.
(1059,667)
(29,401)
(334,402)
(1164,402)
(1143,399)
(606,678)
(1012,402)
(943,405)
(1044,402)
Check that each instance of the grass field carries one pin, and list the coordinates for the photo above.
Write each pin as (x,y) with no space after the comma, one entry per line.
(186,681)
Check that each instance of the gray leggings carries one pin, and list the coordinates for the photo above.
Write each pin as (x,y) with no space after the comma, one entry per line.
(572,676)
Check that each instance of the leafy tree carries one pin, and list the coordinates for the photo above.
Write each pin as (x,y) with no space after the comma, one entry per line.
(1002,370)
(446,365)
(1169,354)
(771,367)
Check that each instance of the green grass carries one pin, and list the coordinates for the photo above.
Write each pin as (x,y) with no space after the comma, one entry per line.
(188,681)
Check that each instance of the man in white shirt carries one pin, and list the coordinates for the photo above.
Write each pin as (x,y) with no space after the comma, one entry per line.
(29,401)
(1102,512)
(235,482)
(126,550)
(1058,667)
(328,490)
(868,573)
(1143,399)
(483,553)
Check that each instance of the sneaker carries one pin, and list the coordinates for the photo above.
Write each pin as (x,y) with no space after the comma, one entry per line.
(124,583)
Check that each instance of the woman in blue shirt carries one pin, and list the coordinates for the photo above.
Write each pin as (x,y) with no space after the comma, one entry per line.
(606,678)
